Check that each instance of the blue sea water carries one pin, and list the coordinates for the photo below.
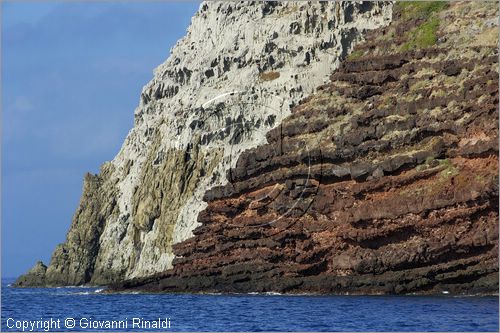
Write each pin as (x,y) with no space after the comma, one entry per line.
(246,312)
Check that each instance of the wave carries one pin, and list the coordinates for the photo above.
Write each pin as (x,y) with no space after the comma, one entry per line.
(266,293)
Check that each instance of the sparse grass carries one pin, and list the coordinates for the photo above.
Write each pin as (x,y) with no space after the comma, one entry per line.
(425,72)
(355,55)
(269,76)
(426,164)
(388,101)
(418,85)
(438,93)
(420,9)
(450,170)
(422,36)
(429,160)
(425,34)
(395,117)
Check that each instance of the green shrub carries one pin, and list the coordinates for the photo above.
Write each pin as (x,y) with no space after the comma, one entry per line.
(355,55)
(422,36)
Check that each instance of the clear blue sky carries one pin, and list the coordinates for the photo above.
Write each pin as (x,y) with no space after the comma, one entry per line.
(72,74)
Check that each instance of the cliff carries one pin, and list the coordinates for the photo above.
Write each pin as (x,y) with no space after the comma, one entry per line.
(240,66)
(384,181)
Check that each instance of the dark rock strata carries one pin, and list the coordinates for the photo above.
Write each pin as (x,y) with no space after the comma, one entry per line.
(385,181)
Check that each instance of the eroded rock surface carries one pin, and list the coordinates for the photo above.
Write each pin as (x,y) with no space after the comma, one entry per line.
(35,276)
(240,65)
(385,181)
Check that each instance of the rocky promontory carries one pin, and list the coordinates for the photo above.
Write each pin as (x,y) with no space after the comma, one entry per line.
(383,181)
(241,65)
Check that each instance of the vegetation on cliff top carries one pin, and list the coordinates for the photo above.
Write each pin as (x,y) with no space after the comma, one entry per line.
(424,35)
(420,9)
(356,55)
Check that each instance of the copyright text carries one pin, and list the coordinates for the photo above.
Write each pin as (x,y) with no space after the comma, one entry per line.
(53,324)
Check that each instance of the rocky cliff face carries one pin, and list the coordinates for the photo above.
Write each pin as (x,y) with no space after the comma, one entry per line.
(240,67)
(385,181)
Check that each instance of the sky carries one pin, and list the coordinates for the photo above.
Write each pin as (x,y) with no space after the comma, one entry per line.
(71,78)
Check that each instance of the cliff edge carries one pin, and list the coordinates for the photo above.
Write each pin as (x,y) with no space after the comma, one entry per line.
(384,181)
(241,65)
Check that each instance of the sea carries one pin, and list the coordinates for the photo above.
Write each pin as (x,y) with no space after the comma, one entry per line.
(87,309)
